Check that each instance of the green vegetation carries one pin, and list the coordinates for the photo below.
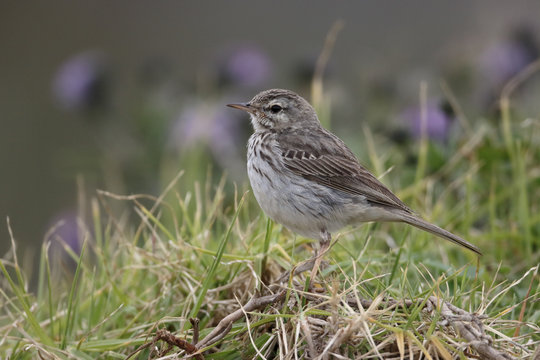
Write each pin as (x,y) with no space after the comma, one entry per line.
(207,251)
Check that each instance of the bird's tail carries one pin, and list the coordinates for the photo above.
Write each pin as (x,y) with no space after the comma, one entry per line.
(435,230)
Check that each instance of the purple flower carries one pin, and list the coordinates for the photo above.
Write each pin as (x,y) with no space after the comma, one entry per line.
(192,126)
(246,66)
(80,82)
(439,118)
(65,229)
(503,60)
(210,125)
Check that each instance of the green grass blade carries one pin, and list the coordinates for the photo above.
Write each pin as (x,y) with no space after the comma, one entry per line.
(209,277)
(72,310)
(266,246)
(30,317)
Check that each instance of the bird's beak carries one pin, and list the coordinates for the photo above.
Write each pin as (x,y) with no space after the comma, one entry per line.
(243,106)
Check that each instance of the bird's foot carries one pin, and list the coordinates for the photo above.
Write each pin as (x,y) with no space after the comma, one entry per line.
(313,264)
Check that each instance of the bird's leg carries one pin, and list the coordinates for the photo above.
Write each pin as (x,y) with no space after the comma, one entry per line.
(326,239)
(314,262)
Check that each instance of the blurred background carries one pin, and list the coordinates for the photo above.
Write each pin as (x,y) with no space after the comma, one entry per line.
(121,95)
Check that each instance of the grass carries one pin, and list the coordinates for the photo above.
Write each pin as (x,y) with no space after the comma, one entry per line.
(388,291)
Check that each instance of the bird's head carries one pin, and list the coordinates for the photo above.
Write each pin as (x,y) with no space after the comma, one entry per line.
(277,109)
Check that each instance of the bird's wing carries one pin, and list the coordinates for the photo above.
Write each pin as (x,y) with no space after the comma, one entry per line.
(320,156)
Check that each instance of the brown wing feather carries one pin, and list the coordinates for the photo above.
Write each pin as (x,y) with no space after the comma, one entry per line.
(320,156)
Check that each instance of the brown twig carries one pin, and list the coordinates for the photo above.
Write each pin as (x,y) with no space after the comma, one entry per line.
(225,324)
(195,323)
(470,328)
(166,336)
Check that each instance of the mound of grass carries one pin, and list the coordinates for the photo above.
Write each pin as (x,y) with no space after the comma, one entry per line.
(194,273)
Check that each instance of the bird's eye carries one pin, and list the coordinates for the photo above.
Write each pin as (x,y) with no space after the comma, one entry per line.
(275,109)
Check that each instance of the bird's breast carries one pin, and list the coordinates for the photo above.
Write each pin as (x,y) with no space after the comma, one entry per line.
(301,205)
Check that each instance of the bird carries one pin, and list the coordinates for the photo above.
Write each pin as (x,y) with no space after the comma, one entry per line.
(307,179)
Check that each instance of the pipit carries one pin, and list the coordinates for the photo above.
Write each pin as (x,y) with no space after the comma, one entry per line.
(307,179)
